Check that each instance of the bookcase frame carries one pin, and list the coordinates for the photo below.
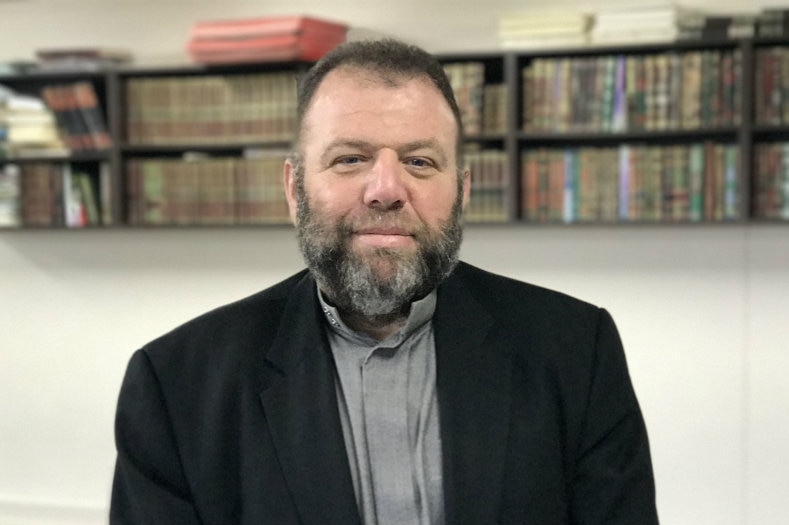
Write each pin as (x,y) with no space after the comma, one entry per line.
(501,67)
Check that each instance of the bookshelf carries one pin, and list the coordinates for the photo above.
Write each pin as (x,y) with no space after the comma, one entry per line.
(84,162)
(670,133)
(204,146)
(642,134)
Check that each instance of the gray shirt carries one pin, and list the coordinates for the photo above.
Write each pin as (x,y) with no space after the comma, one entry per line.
(389,412)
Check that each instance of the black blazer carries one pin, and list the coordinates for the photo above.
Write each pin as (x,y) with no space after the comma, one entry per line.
(232,418)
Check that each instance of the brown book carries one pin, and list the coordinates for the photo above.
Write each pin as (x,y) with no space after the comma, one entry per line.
(87,108)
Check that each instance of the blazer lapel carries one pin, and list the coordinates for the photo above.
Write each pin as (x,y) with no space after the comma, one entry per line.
(300,404)
(473,378)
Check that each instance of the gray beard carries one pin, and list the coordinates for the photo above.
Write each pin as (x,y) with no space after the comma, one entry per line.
(351,282)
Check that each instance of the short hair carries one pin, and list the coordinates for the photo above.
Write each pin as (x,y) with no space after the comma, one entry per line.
(391,60)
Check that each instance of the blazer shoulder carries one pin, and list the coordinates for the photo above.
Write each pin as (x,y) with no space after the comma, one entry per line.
(501,294)
(247,321)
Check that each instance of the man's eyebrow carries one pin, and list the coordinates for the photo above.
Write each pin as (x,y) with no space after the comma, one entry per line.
(354,144)
(430,144)
(359,144)
(350,143)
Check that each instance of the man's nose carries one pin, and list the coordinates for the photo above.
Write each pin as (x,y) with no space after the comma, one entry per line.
(386,187)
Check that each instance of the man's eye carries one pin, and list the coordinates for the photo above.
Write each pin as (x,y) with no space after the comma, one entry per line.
(349,160)
(419,163)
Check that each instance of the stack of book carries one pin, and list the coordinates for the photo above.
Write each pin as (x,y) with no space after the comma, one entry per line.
(543,30)
(773,22)
(711,28)
(27,127)
(272,39)
(657,22)
(81,58)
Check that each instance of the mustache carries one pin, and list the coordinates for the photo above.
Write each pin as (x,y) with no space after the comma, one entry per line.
(382,220)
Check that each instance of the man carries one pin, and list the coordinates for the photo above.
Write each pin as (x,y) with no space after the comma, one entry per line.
(388,383)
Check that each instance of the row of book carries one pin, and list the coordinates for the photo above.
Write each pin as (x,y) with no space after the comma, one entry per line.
(495,109)
(771,181)
(771,88)
(42,194)
(467,80)
(621,93)
(206,191)
(211,109)
(632,183)
(79,115)
(483,106)
(490,186)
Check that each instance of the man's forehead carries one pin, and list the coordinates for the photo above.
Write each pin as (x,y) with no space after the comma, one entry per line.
(372,75)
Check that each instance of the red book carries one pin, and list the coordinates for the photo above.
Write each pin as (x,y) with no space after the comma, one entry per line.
(275,54)
(290,51)
(258,27)
(266,42)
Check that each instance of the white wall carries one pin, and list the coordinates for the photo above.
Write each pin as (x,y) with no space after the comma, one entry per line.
(702,310)
(157,30)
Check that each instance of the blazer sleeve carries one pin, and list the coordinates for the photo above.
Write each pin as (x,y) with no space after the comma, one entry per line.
(149,486)
(613,482)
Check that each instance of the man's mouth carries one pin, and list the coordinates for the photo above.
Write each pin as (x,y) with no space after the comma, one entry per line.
(383,237)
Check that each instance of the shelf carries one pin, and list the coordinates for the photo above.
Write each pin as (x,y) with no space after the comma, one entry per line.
(213,149)
(628,136)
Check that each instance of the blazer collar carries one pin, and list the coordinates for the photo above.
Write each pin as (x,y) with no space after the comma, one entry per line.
(473,379)
(300,404)
(473,382)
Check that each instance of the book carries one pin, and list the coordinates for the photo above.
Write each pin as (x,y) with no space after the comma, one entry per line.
(543,29)
(264,26)
(259,50)
(104,53)
(646,22)
(263,39)
(772,22)
(10,196)
(42,202)
(86,102)
(72,128)
(81,58)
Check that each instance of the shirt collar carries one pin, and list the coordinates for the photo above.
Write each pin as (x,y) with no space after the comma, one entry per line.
(419,314)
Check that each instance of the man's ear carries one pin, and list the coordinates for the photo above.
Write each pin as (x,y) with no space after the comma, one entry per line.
(466,182)
(289,182)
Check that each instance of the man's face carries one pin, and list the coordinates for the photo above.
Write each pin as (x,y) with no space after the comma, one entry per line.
(376,199)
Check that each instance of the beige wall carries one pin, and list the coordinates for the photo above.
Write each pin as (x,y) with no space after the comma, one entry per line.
(702,310)
(156,30)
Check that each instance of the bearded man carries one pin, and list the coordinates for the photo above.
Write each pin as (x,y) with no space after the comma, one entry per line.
(388,382)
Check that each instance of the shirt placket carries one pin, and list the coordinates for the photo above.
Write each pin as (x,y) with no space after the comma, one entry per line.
(385,386)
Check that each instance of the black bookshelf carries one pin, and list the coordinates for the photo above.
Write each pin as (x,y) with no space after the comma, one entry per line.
(511,138)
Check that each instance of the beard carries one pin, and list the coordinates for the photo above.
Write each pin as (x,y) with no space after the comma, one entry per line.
(376,282)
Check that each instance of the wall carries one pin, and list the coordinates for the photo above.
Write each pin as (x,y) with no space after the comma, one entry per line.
(701,310)
(156,30)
